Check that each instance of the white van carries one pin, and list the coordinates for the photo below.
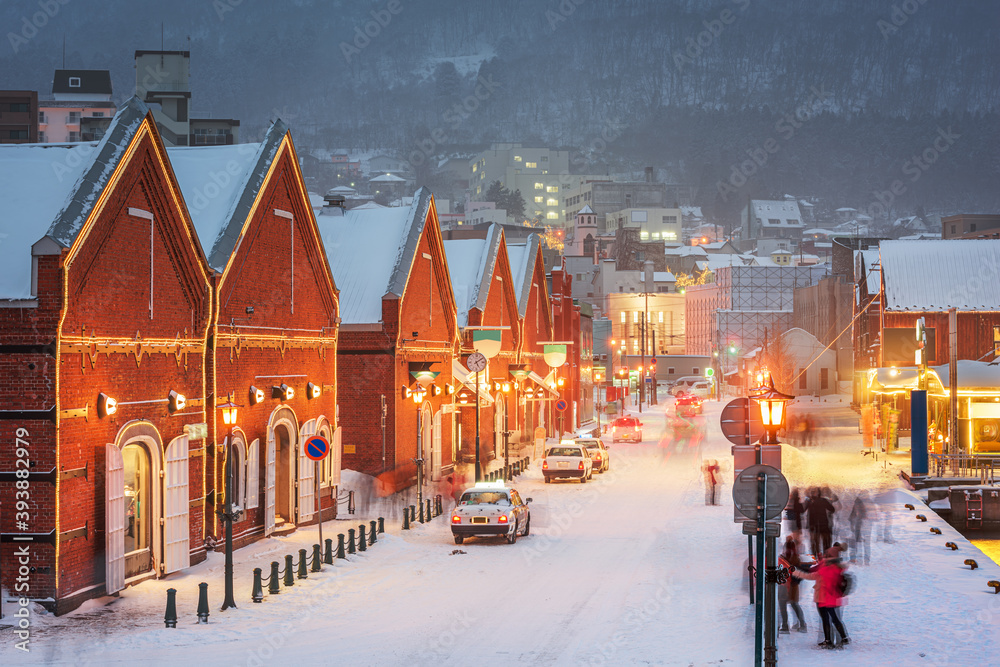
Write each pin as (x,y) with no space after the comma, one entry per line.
(684,384)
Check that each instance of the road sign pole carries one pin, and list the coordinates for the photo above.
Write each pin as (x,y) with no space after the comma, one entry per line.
(761,527)
(770,574)
(319,506)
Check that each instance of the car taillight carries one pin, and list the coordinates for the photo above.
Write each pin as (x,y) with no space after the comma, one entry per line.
(597,457)
(456,518)
(637,429)
(502,519)
(580,466)
(545,465)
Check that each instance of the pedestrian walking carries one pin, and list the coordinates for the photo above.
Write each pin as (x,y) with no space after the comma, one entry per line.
(712,480)
(860,529)
(793,514)
(788,592)
(819,512)
(829,575)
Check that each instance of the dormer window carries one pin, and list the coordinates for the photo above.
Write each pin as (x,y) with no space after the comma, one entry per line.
(74,82)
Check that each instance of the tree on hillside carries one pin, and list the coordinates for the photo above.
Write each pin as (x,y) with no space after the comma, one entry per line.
(512,202)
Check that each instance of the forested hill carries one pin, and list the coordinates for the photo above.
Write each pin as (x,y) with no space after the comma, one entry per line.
(389,73)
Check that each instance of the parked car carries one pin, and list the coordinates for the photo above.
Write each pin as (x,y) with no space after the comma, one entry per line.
(703,389)
(626,428)
(599,456)
(490,508)
(688,404)
(567,460)
(683,385)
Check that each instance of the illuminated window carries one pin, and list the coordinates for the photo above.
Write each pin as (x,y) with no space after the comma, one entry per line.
(656,235)
(552,215)
(545,171)
(517,158)
(669,236)
(996,341)
(552,188)
(623,313)
(635,316)
(475,168)
(538,212)
(643,235)
(539,186)
(661,317)
(539,199)
(531,165)
(552,202)
(635,346)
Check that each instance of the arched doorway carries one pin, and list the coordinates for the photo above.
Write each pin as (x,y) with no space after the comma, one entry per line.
(281,474)
(138,480)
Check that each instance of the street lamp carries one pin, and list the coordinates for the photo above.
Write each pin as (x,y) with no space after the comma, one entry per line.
(229,410)
(772,409)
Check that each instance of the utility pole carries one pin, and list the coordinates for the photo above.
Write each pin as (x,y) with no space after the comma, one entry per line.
(642,368)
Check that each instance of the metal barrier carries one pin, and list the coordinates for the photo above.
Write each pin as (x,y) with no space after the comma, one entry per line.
(965,465)
(348,498)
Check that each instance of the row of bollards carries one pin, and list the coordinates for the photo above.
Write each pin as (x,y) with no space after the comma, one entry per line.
(366,536)
(427,512)
(971,562)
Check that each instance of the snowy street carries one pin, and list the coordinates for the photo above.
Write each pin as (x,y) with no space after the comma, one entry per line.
(630,568)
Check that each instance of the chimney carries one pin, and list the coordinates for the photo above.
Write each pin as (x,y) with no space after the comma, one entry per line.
(647,270)
(649,174)
(335,204)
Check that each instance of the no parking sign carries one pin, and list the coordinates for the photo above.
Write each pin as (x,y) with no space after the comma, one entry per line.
(561,405)
(317,447)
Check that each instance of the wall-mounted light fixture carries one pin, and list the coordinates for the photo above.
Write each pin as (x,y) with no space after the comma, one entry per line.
(175,401)
(313,390)
(283,392)
(106,406)
(256,395)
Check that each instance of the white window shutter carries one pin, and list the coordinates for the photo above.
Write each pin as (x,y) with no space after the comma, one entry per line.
(269,486)
(114,519)
(307,474)
(176,527)
(253,475)
(336,449)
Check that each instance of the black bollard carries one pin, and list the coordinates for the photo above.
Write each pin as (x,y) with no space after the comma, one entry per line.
(203,602)
(406,519)
(303,573)
(422,513)
(317,565)
(381,525)
(258,586)
(328,556)
(341,553)
(413,514)
(170,618)
(362,538)
(429,515)
(373,528)
(274,581)
(440,506)
(350,541)
(289,570)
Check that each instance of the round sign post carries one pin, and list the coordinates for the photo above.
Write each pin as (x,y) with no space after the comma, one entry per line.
(317,448)
(745,492)
(561,406)
(741,423)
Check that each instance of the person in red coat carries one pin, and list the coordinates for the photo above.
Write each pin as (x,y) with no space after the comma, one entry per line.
(826,593)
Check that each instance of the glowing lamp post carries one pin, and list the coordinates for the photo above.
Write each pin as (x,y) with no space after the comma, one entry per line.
(772,410)
(229,410)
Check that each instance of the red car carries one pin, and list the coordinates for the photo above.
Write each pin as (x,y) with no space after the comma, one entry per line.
(626,428)
(688,404)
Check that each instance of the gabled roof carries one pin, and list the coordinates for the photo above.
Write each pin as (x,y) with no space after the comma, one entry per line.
(585,210)
(522,267)
(370,253)
(49,191)
(220,185)
(937,275)
(771,209)
(92,81)
(470,264)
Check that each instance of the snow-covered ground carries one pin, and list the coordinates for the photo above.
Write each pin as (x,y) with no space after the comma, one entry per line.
(632,568)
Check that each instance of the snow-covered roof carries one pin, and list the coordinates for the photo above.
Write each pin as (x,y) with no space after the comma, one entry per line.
(522,266)
(866,267)
(817,230)
(786,212)
(220,185)
(470,264)
(663,277)
(691,211)
(341,190)
(388,178)
(370,253)
(937,275)
(686,251)
(369,206)
(971,374)
(586,209)
(50,190)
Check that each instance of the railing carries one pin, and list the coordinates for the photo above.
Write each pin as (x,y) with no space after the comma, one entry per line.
(346,498)
(965,465)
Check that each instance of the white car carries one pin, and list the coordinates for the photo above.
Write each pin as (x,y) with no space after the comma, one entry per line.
(567,460)
(683,385)
(490,508)
(599,457)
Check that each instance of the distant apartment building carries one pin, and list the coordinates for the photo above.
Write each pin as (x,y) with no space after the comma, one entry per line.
(655,224)
(767,220)
(541,174)
(163,79)
(608,197)
(80,109)
(970,226)
(18,116)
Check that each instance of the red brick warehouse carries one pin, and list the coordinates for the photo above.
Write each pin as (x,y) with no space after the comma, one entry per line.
(273,345)
(398,325)
(535,320)
(107,306)
(488,320)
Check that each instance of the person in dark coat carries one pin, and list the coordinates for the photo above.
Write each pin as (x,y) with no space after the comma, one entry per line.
(860,529)
(793,514)
(788,592)
(820,513)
